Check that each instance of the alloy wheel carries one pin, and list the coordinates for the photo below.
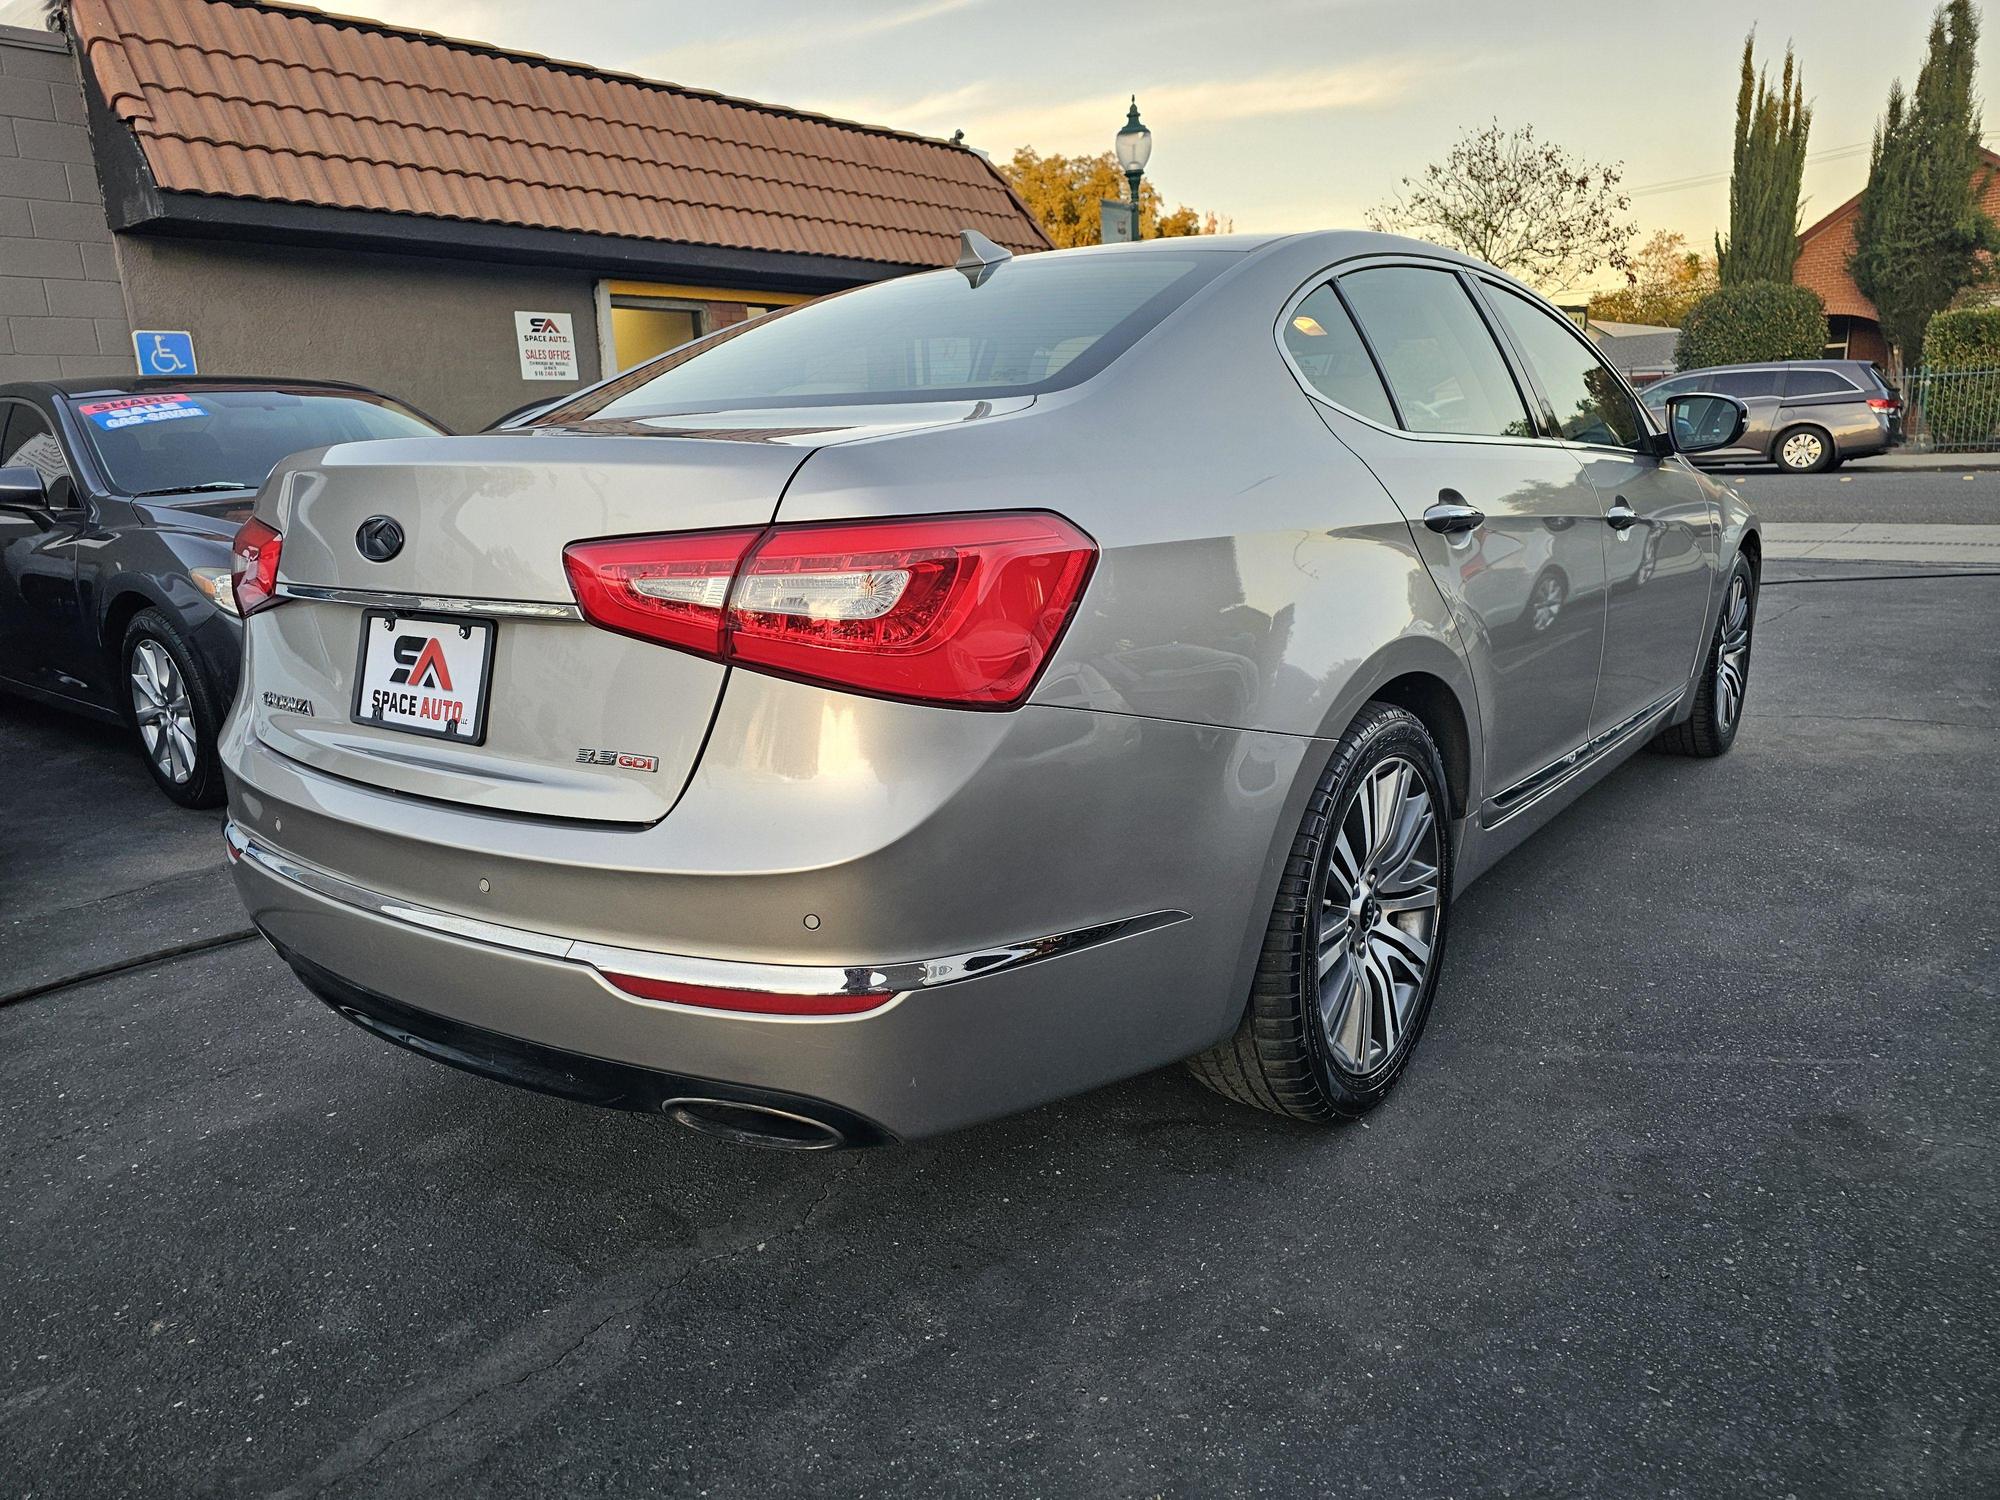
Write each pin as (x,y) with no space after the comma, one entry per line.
(1378,915)
(163,712)
(1732,653)
(1802,450)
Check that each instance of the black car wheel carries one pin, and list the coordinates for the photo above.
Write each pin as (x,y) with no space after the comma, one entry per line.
(1718,703)
(1356,938)
(174,712)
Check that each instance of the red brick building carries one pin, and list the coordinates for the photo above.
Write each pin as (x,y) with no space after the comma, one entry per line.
(1853,329)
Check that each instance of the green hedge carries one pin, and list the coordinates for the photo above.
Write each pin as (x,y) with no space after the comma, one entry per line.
(1759,320)
(1962,410)
(1963,338)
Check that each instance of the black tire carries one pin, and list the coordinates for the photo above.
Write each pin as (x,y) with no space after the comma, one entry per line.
(192,781)
(1285,1057)
(1805,430)
(1711,728)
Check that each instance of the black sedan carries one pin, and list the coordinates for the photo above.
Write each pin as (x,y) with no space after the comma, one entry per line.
(118,504)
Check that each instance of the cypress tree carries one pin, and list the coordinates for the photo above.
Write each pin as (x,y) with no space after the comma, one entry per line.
(1920,235)
(1771,126)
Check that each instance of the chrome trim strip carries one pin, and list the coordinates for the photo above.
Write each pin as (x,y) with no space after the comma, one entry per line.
(888,979)
(450,604)
(1524,791)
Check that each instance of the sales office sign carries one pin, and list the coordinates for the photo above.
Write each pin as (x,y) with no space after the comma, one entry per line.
(547,342)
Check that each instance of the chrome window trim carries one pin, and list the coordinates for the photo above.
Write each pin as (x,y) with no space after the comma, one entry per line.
(518,609)
(896,979)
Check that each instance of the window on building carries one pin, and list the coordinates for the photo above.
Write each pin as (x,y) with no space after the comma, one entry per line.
(1324,345)
(644,328)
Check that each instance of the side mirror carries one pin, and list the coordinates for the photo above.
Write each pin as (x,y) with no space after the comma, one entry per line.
(24,489)
(1701,422)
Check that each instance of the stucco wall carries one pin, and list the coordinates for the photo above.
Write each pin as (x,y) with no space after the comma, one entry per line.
(61,312)
(438,333)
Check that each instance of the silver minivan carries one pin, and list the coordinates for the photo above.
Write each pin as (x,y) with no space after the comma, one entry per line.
(974,688)
(1805,415)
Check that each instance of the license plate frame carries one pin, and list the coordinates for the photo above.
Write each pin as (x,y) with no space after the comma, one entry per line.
(482,704)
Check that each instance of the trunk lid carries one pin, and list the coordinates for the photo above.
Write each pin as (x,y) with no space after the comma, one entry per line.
(576,722)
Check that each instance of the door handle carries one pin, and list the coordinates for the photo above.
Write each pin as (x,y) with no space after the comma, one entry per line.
(1621,516)
(1451,516)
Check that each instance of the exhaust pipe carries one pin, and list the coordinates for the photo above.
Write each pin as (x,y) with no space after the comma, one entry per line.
(754,1124)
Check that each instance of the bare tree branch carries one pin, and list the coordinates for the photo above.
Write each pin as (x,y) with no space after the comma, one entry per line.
(1524,205)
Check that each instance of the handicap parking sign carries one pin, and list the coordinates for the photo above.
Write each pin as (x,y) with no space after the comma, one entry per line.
(164,352)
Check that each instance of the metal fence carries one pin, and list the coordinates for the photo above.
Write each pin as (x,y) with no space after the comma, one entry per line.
(1951,411)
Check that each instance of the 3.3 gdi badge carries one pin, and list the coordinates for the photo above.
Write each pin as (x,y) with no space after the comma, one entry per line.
(379,538)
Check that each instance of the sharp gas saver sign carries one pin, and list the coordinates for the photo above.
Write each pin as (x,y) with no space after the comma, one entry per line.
(548,345)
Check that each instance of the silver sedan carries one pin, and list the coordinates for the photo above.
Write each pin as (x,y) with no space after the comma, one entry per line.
(968,690)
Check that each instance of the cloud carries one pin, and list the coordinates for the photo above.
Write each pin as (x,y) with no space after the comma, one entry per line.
(998,120)
(699,61)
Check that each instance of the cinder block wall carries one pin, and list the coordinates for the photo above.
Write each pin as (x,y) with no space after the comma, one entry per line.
(62,309)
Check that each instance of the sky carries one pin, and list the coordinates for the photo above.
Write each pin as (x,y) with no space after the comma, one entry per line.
(1280,114)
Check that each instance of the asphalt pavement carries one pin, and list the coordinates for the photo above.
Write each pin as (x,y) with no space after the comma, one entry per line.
(1691,1190)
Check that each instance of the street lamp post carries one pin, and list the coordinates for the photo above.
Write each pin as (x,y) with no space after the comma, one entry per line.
(1135,145)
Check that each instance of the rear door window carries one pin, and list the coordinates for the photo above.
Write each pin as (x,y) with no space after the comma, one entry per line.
(1819,383)
(1328,352)
(1446,372)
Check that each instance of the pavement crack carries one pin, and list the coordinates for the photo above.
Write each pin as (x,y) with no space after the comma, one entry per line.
(126,965)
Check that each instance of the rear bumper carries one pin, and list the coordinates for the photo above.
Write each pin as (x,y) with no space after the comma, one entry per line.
(553,1070)
(1006,885)
(960,1039)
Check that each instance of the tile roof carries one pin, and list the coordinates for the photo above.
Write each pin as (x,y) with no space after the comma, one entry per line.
(1826,245)
(284,103)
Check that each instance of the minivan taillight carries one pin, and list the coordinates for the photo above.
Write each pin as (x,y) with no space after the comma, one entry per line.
(253,567)
(1884,403)
(937,609)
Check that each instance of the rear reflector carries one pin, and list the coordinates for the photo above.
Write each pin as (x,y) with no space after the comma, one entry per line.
(937,609)
(253,567)
(751,1002)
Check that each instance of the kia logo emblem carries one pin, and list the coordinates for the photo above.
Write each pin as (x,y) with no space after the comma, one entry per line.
(379,538)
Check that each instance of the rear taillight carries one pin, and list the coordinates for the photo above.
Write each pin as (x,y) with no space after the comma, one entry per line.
(1884,403)
(253,567)
(939,609)
(669,589)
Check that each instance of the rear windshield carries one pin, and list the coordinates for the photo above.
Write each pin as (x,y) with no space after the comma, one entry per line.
(172,442)
(1037,323)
